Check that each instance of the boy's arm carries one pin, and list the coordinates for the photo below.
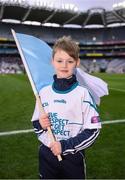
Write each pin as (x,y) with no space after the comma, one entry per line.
(82,141)
(37,128)
(91,128)
(35,121)
(40,131)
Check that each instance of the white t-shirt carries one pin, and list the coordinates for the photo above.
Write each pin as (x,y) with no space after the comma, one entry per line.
(70,112)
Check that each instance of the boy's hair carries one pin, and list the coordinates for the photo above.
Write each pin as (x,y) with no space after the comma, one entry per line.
(67,44)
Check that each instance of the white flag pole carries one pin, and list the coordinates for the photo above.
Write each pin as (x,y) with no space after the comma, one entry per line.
(33,86)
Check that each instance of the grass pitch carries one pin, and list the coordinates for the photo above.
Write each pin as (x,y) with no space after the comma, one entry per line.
(19,153)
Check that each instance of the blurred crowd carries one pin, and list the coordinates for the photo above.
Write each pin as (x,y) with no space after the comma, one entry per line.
(11,65)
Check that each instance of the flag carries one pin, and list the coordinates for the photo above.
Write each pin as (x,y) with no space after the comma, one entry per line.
(37,55)
(96,86)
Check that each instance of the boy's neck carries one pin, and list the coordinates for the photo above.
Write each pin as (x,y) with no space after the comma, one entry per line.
(64,77)
(64,84)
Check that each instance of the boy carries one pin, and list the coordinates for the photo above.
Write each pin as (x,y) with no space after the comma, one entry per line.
(72,115)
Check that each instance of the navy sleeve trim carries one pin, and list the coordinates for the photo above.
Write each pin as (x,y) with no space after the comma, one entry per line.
(37,128)
(82,141)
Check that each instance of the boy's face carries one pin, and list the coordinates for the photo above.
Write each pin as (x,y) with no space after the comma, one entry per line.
(64,64)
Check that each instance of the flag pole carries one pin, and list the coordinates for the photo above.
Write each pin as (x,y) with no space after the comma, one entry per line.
(33,87)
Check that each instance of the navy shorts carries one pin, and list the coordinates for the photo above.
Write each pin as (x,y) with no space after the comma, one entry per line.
(72,166)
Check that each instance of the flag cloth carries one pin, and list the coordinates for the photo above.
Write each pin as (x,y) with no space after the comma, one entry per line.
(96,86)
(38,55)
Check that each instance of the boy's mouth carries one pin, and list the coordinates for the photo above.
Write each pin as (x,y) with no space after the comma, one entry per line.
(64,71)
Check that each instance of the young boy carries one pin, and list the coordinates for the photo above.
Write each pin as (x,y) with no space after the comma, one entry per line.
(72,115)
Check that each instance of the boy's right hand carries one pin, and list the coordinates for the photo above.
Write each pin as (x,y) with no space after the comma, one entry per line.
(44,121)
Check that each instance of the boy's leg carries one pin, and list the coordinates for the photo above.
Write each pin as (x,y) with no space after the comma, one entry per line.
(73,166)
(48,164)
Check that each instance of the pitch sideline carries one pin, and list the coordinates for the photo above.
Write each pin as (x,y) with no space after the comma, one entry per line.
(31,130)
(115,89)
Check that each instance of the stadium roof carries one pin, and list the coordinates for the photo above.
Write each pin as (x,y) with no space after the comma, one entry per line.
(93,16)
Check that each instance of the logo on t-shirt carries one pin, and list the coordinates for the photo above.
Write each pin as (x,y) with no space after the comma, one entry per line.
(60,101)
(45,104)
(95,119)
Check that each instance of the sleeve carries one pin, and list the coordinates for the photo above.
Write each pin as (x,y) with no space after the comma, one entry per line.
(82,141)
(42,135)
(90,131)
(36,113)
(90,113)
(35,121)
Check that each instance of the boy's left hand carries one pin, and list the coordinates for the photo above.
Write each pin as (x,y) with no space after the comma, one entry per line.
(56,148)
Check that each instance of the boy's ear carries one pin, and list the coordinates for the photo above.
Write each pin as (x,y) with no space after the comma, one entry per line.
(78,63)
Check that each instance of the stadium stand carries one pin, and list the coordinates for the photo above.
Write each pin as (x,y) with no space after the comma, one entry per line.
(116,66)
(101,49)
(83,36)
(11,65)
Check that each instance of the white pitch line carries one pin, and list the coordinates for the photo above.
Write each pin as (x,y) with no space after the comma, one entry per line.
(15,132)
(115,89)
(31,130)
(113,121)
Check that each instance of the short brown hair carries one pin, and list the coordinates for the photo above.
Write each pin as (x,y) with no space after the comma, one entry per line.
(67,44)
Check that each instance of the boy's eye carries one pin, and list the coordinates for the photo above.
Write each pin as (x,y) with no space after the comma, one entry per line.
(70,62)
(59,61)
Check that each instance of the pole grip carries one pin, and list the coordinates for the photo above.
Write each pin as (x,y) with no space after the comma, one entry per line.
(49,129)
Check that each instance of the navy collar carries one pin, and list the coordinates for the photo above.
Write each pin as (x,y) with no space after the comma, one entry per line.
(64,84)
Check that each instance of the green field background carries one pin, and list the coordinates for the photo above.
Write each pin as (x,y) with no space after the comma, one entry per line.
(19,153)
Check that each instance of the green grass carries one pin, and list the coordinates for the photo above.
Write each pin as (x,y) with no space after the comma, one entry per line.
(113,106)
(16,102)
(105,160)
(19,153)
(19,157)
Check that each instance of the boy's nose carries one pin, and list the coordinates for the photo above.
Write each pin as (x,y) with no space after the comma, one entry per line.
(64,64)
